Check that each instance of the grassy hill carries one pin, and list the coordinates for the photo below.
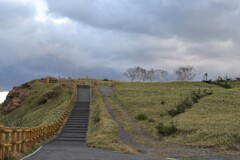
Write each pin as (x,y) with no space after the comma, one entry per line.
(42,105)
(183,113)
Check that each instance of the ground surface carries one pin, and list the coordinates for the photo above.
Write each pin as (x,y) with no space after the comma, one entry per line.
(77,150)
(151,144)
(49,152)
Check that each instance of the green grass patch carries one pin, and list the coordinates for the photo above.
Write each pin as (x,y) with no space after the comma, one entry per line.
(32,112)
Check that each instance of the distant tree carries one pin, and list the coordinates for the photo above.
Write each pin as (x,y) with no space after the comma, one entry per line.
(141,74)
(160,74)
(131,74)
(151,75)
(185,73)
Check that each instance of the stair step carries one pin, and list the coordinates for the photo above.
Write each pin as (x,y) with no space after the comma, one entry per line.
(72,139)
(76,124)
(77,120)
(78,117)
(74,131)
(76,128)
(73,135)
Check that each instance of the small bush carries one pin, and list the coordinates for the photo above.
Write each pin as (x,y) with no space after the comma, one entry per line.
(189,101)
(96,119)
(166,130)
(181,108)
(151,120)
(141,117)
(50,95)
(162,103)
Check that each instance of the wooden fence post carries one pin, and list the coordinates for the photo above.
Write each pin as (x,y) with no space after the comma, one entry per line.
(1,144)
(23,139)
(7,142)
(18,142)
(13,141)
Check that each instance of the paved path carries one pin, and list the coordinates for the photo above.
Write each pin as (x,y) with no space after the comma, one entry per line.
(70,145)
(49,152)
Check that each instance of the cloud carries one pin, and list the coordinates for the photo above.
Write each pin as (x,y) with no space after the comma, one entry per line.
(3,96)
(187,19)
(102,38)
(14,13)
(41,66)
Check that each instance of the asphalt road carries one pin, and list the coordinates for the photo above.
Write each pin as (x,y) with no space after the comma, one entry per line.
(50,152)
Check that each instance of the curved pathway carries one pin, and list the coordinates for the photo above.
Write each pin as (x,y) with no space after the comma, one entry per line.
(70,144)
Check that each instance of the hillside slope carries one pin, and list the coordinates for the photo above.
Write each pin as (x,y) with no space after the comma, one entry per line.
(34,103)
(175,115)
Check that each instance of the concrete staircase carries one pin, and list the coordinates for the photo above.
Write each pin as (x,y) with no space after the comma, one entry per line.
(75,129)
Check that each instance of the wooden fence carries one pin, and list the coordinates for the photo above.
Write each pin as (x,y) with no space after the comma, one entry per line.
(14,140)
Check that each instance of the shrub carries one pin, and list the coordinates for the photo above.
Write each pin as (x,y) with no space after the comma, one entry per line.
(166,130)
(188,102)
(96,119)
(162,103)
(49,95)
(141,117)
(151,120)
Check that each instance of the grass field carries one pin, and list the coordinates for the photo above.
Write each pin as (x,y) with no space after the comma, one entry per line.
(31,113)
(211,120)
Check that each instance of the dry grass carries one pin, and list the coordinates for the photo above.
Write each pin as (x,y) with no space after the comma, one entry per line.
(214,120)
(33,114)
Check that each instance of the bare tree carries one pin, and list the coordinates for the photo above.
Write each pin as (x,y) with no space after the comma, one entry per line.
(160,74)
(151,75)
(185,73)
(131,74)
(141,74)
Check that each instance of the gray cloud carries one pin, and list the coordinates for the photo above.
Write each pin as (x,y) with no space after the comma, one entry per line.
(189,19)
(13,13)
(41,66)
(102,38)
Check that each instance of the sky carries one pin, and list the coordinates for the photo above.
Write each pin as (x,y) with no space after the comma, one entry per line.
(3,96)
(103,38)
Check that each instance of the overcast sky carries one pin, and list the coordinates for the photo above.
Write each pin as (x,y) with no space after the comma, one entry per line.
(102,38)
